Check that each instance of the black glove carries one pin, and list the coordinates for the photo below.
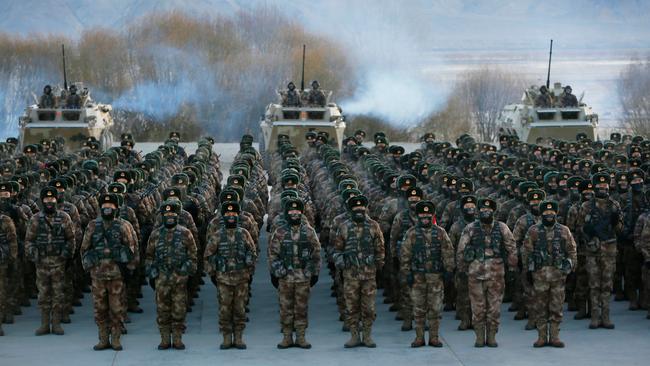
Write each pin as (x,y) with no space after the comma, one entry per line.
(214,280)
(274,281)
(529,277)
(313,280)
(152,283)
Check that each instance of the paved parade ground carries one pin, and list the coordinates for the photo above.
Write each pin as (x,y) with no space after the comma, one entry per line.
(628,344)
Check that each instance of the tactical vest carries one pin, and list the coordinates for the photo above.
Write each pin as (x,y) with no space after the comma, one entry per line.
(476,248)
(230,256)
(171,257)
(290,259)
(107,244)
(541,257)
(530,220)
(358,252)
(50,238)
(601,222)
(426,259)
(405,224)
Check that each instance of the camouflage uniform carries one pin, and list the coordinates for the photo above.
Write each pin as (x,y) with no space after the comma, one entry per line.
(642,244)
(463,308)
(483,253)
(294,258)
(8,258)
(425,254)
(358,253)
(170,260)
(107,249)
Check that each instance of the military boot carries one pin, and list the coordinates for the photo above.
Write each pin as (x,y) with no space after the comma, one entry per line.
(367,338)
(45,324)
(287,339)
(227,341)
(407,324)
(354,340)
(177,337)
(582,311)
(2,332)
(165,342)
(239,342)
(103,339)
(116,333)
(521,313)
(65,317)
(419,337)
(56,324)
(491,340)
(606,322)
(530,324)
(542,336)
(301,341)
(479,330)
(434,340)
(555,336)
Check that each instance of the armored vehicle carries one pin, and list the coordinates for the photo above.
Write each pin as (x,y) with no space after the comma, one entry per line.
(92,119)
(533,124)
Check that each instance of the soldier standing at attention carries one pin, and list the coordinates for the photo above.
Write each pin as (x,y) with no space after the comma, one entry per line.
(8,258)
(359,253)
(548,256)
(170,260)
(50,243)
(229,259)
(485,249)
(108,251)
(426,254)
(294,261)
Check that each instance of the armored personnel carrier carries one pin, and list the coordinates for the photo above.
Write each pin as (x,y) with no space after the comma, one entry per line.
(533,123)
(92,119)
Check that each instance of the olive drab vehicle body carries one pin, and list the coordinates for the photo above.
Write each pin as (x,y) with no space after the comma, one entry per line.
(533,124)
(92,119)
(296,121)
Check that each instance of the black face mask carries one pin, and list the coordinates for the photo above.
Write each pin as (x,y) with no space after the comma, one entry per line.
(563,191)
(294,219)
(587,196)
(637,187)
(486,217)
(552,190)
(171,221)
(358,216)
(231,221)
(108,213)
(49,207)
(548,219)
(425,221)
(574,194)
(534,210)
(5,203)
(602,192)
(622,188)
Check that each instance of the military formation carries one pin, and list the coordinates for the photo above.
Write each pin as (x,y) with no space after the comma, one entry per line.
(462,226)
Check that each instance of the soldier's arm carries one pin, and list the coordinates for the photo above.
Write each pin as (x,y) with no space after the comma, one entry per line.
(617,219)
(394,235)
(512,219)
(129,240)
(405,252)
(69,231)
(447,249)
(571,248)
(460,251)
(380,253)
(250,243)
(518,232)
(312,237)
(10,232)
(151,247)
(87,239)
(527,247)
(511,247)
(638,228)
(30,236)
(643,243)
(133,220)
(190,244)
(273,251)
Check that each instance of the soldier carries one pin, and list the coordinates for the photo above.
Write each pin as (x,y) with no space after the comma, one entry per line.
(485,249)
(316,96)
(548,256)
(47,99)
(229,260)
(50,243)
(108,252)
(74,100)
(8,259)
(170,260)
(463,309)
(544,99)
(294,262)
(426,254)
(600,219)
(359,253)
(642,245)
(567,99)
(291,98)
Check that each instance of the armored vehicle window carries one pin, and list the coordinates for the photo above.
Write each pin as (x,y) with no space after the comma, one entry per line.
(290,114)
(315,114)
(46,116)
(570,114)
(71,116)
(546,116)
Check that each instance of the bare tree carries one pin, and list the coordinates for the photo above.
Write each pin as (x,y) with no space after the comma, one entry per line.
(633,87)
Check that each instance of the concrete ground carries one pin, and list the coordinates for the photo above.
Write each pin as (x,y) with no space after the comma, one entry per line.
(628,344)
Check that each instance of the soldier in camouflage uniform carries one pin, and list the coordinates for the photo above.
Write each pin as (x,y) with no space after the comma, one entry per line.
(548,256)
(359,253)
(8,259)
(170,260)
(463,308)
(642,245)
(600,219)
(485,258)
(50,243)
(294,262)
(425,256)
(229,259)
(109,252)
